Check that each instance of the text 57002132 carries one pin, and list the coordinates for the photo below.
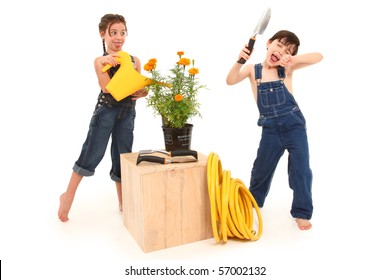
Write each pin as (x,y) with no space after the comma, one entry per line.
(242,270)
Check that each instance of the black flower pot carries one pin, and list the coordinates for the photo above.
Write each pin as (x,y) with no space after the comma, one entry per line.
(177,138)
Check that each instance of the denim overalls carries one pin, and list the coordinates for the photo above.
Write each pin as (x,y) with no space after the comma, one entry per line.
(283,127)
(110,118)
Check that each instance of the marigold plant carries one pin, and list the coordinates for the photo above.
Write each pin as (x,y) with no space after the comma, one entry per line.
(174,96)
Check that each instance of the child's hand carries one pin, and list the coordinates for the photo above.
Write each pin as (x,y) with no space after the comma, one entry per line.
(285,61)
(245,53)
(109,59)
(139,93)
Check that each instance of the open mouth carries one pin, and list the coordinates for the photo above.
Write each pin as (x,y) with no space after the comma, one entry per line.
(117,44)
(274,58)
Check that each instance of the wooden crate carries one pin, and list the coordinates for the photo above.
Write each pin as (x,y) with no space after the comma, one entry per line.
(165,205)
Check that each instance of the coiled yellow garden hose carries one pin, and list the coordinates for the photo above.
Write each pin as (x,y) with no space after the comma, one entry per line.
(231,204)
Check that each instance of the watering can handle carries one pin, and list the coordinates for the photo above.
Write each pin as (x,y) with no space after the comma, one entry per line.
(108,66)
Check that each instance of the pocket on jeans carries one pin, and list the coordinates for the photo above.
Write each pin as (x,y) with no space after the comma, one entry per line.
(298,116)
(272,97)
(262,121)
(98,109)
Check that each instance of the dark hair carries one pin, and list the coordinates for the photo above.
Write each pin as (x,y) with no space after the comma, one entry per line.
(106,21)
(287,38)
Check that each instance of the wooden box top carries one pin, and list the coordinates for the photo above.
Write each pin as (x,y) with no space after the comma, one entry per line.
(152,167)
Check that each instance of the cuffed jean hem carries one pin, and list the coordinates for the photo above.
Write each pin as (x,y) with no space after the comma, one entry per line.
(115,178)
(81,171)
(300,216)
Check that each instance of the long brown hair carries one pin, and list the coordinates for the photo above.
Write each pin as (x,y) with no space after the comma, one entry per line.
(106,22)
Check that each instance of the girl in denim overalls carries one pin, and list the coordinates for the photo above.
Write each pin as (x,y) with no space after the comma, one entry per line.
(283,123)
(110,119)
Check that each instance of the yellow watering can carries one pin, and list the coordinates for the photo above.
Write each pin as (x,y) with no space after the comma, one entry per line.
(126,80)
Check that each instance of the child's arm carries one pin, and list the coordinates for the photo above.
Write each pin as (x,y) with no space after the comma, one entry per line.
(299,61)
(103,77)
(238,73)
(137,64)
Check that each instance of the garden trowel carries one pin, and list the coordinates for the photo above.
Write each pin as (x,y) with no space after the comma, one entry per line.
(164,160)
(171,153)
(259,29)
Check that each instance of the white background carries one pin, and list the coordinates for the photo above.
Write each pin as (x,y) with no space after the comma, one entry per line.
(49,89)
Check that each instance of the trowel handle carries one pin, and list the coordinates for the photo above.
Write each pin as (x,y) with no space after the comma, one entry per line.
(184,153)
(150,159)
(251,43)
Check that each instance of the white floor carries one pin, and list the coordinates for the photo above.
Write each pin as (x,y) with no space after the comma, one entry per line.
(348,233)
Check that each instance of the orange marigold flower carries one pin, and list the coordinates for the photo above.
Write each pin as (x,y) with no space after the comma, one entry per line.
(180,53)
(193,71)
(184,61)
(150,65)
(178,97)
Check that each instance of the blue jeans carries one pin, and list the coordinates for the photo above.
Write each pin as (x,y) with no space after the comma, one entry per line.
(281,133)
(115,120)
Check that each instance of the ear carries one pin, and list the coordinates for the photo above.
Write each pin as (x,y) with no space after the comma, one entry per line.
(102,34)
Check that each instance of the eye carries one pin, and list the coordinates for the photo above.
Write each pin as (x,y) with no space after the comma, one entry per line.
(113,33)
(124,33)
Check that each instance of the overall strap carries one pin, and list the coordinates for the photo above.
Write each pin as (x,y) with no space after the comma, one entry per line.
(258,68)
(281,73)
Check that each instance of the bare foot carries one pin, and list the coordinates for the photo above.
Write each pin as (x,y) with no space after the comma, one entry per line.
(66,201)
(303,224)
